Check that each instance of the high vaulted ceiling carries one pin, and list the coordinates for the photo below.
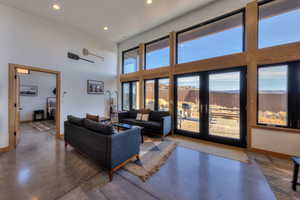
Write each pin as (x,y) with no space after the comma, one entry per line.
(124,18)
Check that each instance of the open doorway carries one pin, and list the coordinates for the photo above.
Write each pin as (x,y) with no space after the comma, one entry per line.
(34,102)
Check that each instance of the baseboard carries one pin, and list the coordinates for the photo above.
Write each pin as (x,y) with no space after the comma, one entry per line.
(4,149)
(271,153)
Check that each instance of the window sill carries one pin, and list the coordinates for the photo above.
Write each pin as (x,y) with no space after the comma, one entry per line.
(290,130)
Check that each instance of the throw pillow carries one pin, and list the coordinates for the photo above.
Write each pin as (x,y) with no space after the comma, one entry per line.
(145,117)
(139,116)
(92,117)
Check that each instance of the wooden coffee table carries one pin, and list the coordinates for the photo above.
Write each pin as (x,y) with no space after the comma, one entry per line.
(128,126)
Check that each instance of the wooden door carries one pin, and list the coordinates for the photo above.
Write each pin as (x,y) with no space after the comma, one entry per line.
(17,110)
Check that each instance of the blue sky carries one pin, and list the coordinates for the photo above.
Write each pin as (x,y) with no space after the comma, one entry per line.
(276,30)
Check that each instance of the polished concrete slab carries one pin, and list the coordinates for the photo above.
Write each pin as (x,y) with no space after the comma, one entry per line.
(190,174)
(40,168)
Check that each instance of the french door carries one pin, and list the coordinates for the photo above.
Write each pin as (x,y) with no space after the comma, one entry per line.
(211,105)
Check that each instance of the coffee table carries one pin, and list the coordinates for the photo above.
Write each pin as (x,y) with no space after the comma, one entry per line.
(128,126)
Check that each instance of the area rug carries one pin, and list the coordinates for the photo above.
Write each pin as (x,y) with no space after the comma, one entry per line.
(153,154)
(279,176)
(220,150)
(43,125)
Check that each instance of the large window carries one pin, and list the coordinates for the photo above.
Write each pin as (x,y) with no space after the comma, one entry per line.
(212,39)
(163,94)
(150,94)
(157,54)
(125,96)
(130,95)
(135,95)
(278,95)
(157,94)
(279,23)
(130,60)
(272,95)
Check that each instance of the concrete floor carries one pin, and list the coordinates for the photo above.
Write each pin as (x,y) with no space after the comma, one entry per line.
(40,168)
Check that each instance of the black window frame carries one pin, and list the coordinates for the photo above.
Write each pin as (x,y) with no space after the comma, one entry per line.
(156,91)
(293,107)
(130,94)
(123,57)
(213,20)
(151,42)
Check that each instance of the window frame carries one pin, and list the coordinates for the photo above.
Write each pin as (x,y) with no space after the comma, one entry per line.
(151,42)
(130,94)
(289,95)
(123,58)
(156,92)
(210,21)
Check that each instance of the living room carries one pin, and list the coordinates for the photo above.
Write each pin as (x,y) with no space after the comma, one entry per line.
(154,99)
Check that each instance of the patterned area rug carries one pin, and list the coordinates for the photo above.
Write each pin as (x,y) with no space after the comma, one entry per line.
(43,125)
(153,154)
(278,173)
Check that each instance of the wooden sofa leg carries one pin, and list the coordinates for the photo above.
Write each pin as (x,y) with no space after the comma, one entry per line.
(110,174)
(138,156)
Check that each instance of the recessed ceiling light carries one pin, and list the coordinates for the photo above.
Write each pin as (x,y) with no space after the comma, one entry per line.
(56,6)
(149,1)
(105,28)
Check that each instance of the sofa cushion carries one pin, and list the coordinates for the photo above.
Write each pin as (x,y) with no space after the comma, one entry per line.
(132,114)
(98,127)
(132,121)
(157,115)
(75,120)
(151,125)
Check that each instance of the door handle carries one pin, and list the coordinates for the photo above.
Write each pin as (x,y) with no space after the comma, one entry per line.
(206,108)
(20,108)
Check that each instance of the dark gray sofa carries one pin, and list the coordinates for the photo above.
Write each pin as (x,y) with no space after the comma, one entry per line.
(159,121)
(102,143)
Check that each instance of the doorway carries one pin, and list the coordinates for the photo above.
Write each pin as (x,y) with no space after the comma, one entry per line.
(50,110)
(211,105)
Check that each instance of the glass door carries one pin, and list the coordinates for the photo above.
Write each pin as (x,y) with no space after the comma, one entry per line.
(211,105)
(187,102)
(225,108)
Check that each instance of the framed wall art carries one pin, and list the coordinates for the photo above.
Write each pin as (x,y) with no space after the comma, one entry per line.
(95,87)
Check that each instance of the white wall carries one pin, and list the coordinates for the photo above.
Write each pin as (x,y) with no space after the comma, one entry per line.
(45,82)
(30,40)
(276,141)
